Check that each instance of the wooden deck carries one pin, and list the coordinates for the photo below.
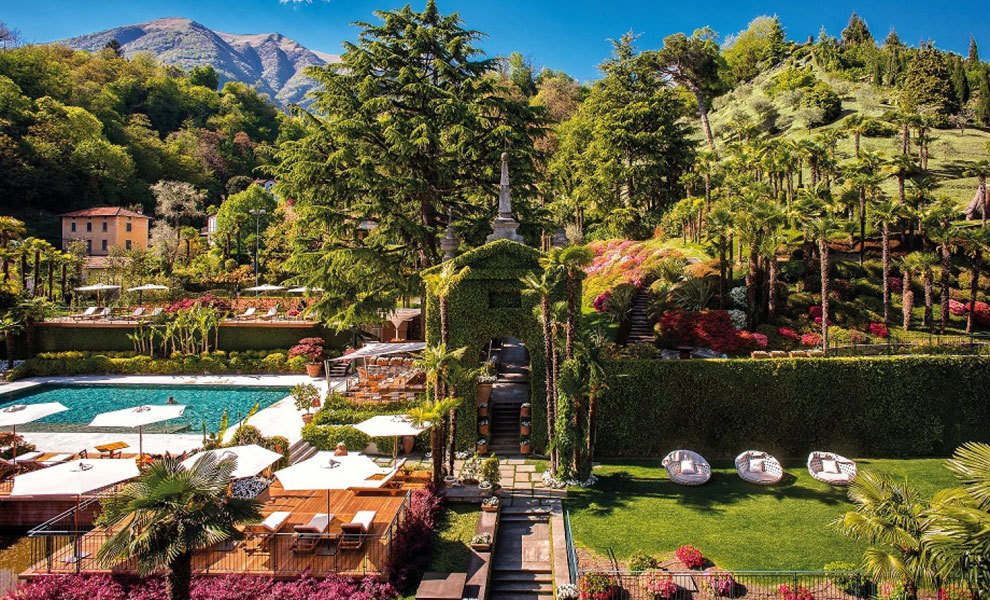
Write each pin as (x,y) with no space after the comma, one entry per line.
(52,553)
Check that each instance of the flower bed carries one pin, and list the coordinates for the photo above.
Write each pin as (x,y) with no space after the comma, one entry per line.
(620,262)
(129,363)
(691,557)
(705,329)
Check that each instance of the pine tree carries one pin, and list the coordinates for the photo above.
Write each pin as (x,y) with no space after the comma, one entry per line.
(974,53)
(983,101)
(856,32)
(927,88)
(893,40)
(960,84)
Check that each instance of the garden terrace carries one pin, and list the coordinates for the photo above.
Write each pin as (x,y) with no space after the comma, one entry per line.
(52,543)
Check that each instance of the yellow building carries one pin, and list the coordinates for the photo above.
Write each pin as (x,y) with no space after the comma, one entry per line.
(105,227)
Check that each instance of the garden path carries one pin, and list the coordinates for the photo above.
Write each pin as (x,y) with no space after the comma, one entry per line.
(509,392)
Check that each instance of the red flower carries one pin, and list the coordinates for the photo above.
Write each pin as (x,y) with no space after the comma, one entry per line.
(879,330)
(815,311)
(811,339)
(691,557)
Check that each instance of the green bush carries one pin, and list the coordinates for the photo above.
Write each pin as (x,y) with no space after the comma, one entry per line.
(823,97)
(337,410)
(863,406)
(126,363)
(846,577)
(326,437)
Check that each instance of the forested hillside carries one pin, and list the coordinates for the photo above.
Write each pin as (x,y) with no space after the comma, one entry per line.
(80,129)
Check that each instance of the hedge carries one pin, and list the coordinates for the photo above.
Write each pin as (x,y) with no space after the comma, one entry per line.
(332,424)
(864,406)
(127,363)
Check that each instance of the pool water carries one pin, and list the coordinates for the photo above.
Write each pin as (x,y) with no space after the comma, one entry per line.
(203,404)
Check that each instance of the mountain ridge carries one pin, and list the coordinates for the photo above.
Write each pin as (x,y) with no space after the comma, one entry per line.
(272,62)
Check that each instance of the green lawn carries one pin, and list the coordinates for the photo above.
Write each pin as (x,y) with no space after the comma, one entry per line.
(735,524)
(451,549)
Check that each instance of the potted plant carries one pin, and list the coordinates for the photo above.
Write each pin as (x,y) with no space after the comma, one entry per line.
(525,427)
(483,426)
(526,409)
(450,481)
(486,380)
(314,351)
(408,442)
(483,410)
(489,473)
(485,486)
(482,542)
(470,469)
(490,504)
(304,395)
(482,446)
(525,446)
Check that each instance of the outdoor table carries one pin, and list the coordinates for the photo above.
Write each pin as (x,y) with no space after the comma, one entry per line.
(112,448)
(442,586)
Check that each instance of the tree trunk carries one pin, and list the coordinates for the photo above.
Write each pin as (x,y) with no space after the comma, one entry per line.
(945,286)
(929,318)
(9,338)
(451,441)
(751,283)
(37,272)
(548,375)
(862,225)
(886,273)
(772,278)
(974,287)
(572,308)
(703,113)
(856,142)
(907,300)
(823,252)
(179,577)
(592,420)
(436,447)
(721,271)
(905,138)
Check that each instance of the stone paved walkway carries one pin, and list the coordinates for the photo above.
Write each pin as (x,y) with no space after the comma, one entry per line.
(516,473)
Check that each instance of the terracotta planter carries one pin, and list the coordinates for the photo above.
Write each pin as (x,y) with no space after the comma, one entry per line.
(525,448)
(492,509)
(482,547)
(484,392)
(307,418)
(313,369)
(407,443)
(316,402)
(525,411)
(525,429)
(483,428)
(482,410)
(483,448)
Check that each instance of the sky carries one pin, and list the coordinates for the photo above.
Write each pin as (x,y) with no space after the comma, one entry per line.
(569,35)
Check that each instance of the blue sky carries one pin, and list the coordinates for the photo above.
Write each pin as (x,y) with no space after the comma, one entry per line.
(571,35)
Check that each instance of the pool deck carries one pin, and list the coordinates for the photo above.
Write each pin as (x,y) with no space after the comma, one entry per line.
(281,418)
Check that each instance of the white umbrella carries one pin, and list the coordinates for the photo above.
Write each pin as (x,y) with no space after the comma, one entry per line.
(326,471)
(148,287)
(76,477)
(138,416)
(393,426)
(19,414)
(304,290)
(97,287)
(265,287)
(251,459)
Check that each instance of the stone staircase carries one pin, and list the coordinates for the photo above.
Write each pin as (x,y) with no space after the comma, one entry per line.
(300,451)
(509,392)
(640,328)
(504,424)
(338,369)
(522,568)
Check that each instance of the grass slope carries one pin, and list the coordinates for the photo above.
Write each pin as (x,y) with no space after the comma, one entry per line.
(735,524)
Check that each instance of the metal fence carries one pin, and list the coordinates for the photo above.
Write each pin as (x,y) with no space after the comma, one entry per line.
(963,343)
(58,547)
(755,585)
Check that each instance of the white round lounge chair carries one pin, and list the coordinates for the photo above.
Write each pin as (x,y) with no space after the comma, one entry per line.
(756,466)
(685,467)
(831,468)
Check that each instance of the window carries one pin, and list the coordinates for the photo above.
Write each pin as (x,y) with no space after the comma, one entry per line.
(127,244)
(103,245)
(504,299)
(72,227)
(128,227)
(89,226)
(104,224)
(89,246)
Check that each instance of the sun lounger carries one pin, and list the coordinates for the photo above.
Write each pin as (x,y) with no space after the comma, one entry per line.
(310,534)
(138,313)
(89,312)
(265,531)
(28,457)
(57,459)
(385,483)
(355,531)
(831,468)
(271,314)
(759,467)
(247,314)
(154,313)
(685,467)
(103,314)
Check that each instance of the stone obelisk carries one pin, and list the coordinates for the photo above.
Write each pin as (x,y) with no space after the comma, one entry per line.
(504,226)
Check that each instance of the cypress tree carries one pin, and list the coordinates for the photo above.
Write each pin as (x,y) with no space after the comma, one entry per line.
(974,53)
(960,84)
(927,88)
(856,32)
(983,101)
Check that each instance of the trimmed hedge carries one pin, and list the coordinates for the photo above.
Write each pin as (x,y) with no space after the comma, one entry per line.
(127,363)
(864,406)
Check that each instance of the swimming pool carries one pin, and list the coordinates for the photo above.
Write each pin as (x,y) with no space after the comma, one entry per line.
(204,403)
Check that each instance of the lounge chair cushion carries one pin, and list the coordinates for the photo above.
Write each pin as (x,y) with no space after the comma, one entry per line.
(688,467)
(834,477)
(756,465)
(830,467)
(362,520)
(318,524)
(275,520)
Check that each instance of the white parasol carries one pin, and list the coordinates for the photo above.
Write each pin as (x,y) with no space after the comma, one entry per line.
(138,416)
(19,414)
(393,426)
(251,459)
(265,287)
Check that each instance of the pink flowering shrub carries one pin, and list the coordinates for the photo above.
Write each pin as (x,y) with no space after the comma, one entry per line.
(719,582)
(761,340)
(896,284)
(596,586)
(659,584)
(954,592)
(226,587)
(798,593)
(879,330)
(789,333)
(311,348)
(811,339)
(815,311)
(601,302)
(691,557)
(956,307)
(411,544)
(617,262)
(705,329)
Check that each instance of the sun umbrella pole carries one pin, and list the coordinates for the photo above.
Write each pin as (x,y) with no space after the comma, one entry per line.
(395,449)
(140,443)
(14,443)
(75,531)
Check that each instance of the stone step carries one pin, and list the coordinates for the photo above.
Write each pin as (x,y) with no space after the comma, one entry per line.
(523,575)
(525,519)
(521,595)
(499,589)
(525,510)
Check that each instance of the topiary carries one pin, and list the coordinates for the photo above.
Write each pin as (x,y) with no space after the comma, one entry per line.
(489,470)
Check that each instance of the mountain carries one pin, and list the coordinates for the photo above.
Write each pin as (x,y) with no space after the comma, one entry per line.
(271,62)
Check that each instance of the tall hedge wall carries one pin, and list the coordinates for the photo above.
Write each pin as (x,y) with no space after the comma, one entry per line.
(868,406)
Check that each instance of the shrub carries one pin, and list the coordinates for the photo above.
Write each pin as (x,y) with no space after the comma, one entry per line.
(312,348)
(846,577)
(957,308)
(707,329)
(641,561)
(823,98)
(719,582)
(659,584)
(785,592)
(691,557)
(811,339)
(879,330)
(489,470)
(411,542)
(326,437)
(596,586)
(51,364)
(304,395)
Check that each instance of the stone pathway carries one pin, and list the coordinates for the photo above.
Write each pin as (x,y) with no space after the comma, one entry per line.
(522,566)
(517,475)
(509,392)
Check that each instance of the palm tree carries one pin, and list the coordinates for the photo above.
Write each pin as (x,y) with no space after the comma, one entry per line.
(720,225)
(571,261)
(959,536)
(439,364)
(975,242)
(543,286)
(10,325)
(909,266)
(31,311)
(981,170)
(893,519)
(900,166)
(941,230)
(820,224)
(885,213)
(168,513)
(431,414)
(10,229)
(856,125)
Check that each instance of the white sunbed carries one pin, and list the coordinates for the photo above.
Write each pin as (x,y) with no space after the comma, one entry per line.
(103,314)
(271,314)
(309,535)
(355,531)
(247,314)
(685,467)
(86,314)
(756,466)
(831,468)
